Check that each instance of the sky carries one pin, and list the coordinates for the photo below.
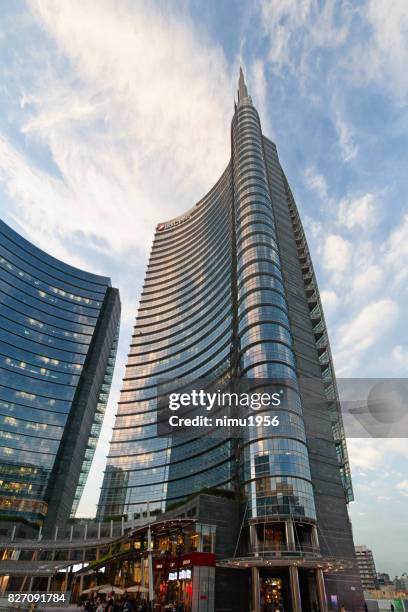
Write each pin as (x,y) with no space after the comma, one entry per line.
(115,116)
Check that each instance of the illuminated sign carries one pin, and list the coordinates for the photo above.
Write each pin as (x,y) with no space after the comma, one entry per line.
(183,575)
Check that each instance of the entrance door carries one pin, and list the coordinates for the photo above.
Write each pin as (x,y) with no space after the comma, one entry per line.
(275,590)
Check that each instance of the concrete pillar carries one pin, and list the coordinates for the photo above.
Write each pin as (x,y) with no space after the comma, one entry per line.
(122,527)
(321,590)
(295,589)
(71,533)
(49,584)
(30,586)
(99,531)
(40,533)
(85,531)
(255,590)
(56,532)
(13,533)
(290,535)
(111,529)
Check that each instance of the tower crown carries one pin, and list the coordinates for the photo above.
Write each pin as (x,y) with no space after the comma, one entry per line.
(243,97)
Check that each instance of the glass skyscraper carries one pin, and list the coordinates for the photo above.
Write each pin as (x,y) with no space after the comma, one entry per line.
(230,291)
(58,337)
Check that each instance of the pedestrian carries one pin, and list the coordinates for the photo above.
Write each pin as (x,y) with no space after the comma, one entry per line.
(343,609)
(110,604)
(100,606)
(392,608)
(128,604)
(365,608)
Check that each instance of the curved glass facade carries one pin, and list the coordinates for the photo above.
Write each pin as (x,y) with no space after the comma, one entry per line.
(218,301)
(183,331)
(53,319)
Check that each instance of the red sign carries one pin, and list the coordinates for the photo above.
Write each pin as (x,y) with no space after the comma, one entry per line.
(202,559)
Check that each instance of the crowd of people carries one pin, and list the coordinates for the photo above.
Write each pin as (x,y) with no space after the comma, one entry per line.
(97,602)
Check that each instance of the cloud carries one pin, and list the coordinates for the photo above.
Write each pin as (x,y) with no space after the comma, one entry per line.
(125,130)
(403,485)
(399,355)
(365,329)
(330,300)
(296,28)
(336,254)
(371,454)
(385,56)
(396,252)
(258,88)
(315,182)
(370,280)
(362,212)
(347,143)
(353,338)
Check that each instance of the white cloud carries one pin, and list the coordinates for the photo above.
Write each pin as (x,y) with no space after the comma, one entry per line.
(296,27)
(362,212)
(371,324)
(396,252)
(315,182)
(371,454)
(336,254)
(347,143)
(403,485)
(366,454)
(361,333)
(126,130)
(385,55)
(330,300)
(370,280)
(399,355)
(259,93)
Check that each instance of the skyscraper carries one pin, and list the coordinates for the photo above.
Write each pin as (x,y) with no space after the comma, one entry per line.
(366,567)
(230,291)
(58,333)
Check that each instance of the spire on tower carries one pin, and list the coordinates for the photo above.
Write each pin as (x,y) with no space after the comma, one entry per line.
(242,89)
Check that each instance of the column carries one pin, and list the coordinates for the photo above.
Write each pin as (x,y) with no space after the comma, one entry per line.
(290,535)
(321,590)
(315,537)
(254,539)
(295,589)
(256,594)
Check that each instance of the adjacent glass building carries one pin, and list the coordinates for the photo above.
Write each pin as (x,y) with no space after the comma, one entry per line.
(58,337)
(230,292)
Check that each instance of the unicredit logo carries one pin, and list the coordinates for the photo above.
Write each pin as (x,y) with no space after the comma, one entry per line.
(171,224)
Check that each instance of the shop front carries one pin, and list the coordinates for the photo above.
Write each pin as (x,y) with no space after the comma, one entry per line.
(187,580)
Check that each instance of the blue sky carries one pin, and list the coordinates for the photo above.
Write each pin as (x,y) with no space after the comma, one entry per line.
(115,116)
